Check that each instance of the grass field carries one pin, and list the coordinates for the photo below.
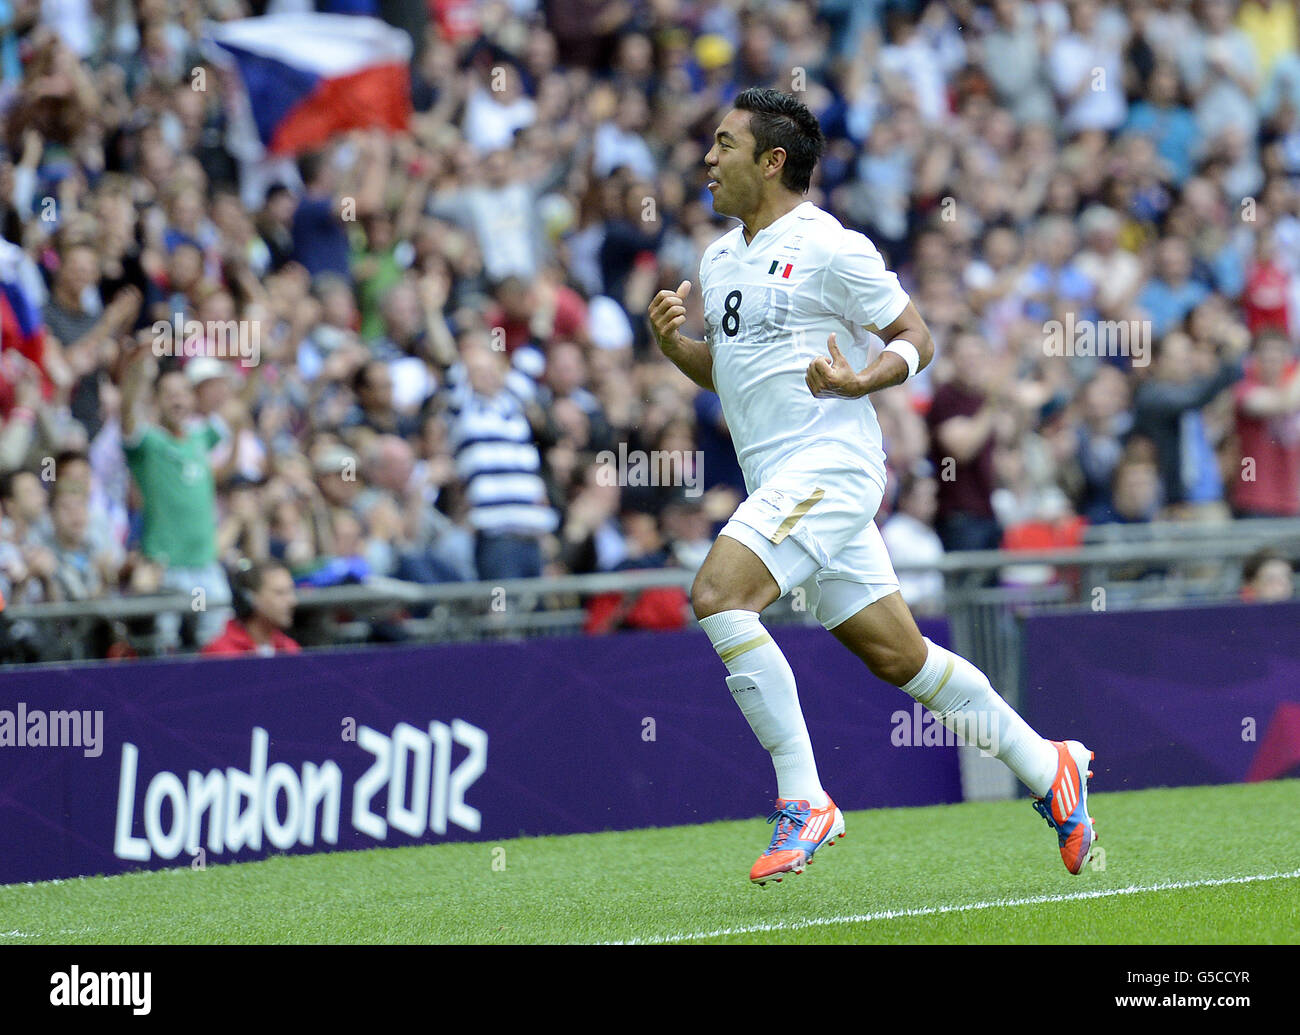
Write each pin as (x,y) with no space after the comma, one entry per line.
(1187,865)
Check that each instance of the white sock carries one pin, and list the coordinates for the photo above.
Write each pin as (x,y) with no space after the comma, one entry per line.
(763,686)
(965,702)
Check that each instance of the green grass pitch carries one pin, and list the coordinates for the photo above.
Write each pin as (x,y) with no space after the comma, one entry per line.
(1184,865)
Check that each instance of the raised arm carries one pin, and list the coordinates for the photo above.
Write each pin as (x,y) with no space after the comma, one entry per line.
(691,357)
(1172,399)
(1273,400)
(139,367)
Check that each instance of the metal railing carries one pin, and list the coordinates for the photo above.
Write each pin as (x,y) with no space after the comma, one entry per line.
(1156,564)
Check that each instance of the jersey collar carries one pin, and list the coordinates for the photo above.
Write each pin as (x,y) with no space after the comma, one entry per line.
(778,222)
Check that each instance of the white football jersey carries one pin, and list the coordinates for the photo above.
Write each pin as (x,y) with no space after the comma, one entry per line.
(769,307)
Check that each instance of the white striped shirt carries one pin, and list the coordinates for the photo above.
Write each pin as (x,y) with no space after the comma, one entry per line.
(498,461)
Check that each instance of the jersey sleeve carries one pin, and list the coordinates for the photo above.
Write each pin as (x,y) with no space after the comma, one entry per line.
(858,286)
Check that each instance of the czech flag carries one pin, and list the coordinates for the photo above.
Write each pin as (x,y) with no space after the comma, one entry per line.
(310,76)
(21,326)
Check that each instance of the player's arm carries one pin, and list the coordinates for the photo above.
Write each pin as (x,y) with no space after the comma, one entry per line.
(833,377)
(691,357)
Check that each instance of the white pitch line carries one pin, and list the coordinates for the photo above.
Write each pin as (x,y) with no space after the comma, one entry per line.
(967,907)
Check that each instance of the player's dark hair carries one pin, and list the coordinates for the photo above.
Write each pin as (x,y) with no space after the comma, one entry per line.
(778,120)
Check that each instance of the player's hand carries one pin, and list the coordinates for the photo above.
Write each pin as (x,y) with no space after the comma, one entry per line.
(668,312)
(832,378)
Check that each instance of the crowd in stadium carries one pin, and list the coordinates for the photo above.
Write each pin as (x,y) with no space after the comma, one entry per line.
(450,323)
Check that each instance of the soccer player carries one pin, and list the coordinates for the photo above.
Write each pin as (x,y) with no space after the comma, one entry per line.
(789,298)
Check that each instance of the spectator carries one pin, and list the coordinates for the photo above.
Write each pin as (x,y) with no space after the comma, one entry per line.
(1273,28)
(1114,272)
(909,534)
(660,608)
(1105,421)
(564,390)
(372,385)
(501,211)
(1267,578)
(30,427)
(1056,282)
(1168,410)
(1168,123)
(963,420)
(416,341)
(264,602)
(78,329)
(25,505)
(320,241)
(1219,69)
(275,225)
(618,142)
(169,463)
(1170,295)
(81,573)
(1135,494)
(494,113)
(105,531)
(1086,69)
(689,532)
(536,313)
(1265,300)
(1013,62)
(27,566)
(497,457)
(243,531)
(1268,432)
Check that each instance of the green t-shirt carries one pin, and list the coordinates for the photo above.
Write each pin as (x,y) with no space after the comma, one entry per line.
(180,499)
(371,290)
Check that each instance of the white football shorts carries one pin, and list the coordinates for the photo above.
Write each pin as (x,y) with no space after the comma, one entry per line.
(815,529)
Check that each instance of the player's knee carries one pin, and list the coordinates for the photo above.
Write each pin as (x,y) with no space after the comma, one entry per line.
(896,664)
(707,596)
(710,594)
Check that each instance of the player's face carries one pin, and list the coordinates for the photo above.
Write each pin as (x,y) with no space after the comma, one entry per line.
(736,182)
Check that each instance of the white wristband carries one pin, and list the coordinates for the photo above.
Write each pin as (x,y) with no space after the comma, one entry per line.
(908,352)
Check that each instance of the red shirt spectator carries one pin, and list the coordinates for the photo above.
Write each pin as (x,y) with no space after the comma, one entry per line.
(237,640)
(558,314)
(264,601)
(1268,433)
(1264,301)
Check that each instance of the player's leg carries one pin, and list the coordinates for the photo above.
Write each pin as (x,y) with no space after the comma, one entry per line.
(860,604)
(744,573)
(884,635)
(733,587)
